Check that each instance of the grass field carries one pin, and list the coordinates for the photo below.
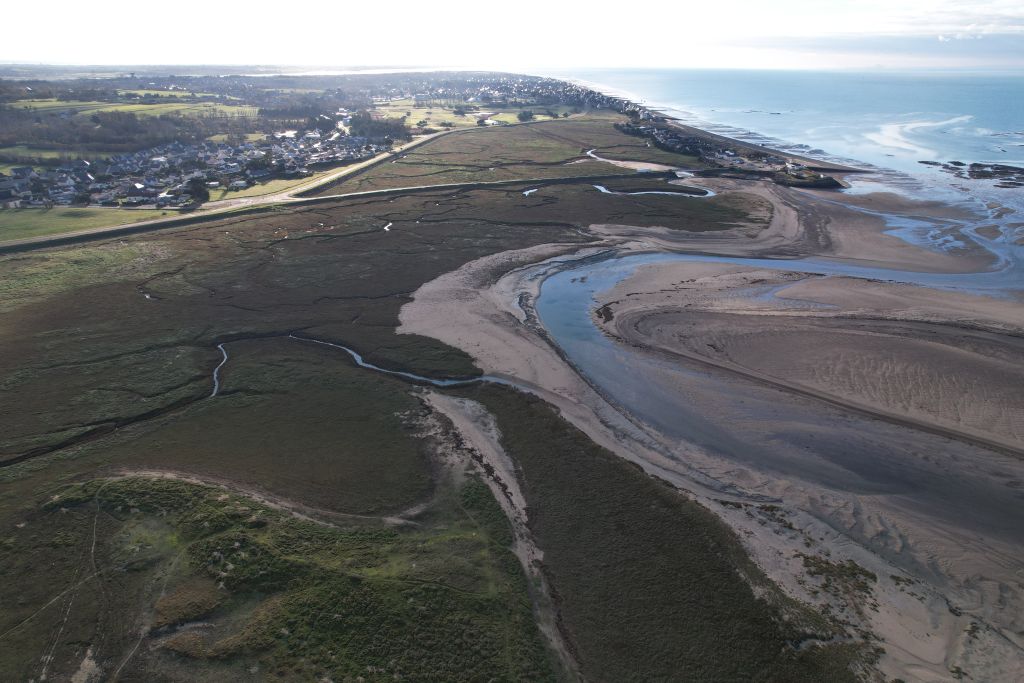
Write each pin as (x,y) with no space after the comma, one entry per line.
(166,93)
(270,186)
(37,152)
(52,106)
(32,222)
(249,137)
(7,168)
(434,116)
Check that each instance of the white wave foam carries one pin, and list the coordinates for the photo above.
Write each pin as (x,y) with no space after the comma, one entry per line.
(894,135)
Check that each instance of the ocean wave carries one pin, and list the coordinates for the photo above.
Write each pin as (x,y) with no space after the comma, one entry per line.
(894,136)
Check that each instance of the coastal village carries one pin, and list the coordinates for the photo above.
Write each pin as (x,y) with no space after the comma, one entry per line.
(170,175)
(162,176)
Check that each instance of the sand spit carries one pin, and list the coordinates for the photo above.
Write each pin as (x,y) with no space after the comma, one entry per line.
(931,356)
(642,166)
(946,597)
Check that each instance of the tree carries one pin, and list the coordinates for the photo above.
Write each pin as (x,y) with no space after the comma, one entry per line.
(365,126)
(525,115)
(197,188)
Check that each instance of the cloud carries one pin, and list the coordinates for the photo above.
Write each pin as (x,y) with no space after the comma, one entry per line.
(667,33)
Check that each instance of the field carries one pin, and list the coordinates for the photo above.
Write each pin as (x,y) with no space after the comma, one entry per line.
(434,116)
(551,149)
(7,168)
(270,186)
(158,109)
(38,152)
(249,137)
(165,93)
(32,222)
(191,489)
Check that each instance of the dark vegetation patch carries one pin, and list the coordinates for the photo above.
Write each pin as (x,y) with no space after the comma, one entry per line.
(331,270)
(650,585)
(297,420)
(844,579)
(211,583)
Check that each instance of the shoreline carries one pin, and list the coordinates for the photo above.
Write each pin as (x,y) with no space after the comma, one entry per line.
(634,101)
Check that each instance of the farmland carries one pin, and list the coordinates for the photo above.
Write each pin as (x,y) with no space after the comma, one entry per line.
(443,114)
(20,223)
(53,106)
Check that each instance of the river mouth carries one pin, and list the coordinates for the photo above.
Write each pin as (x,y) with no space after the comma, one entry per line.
(780,439)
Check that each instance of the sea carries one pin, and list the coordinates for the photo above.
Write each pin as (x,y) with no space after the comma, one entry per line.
(885,122)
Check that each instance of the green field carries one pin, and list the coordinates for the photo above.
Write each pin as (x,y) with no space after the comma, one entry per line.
(165,93)
(437,115)
(270,186)
(32,222)
(17,151)
(249,137)
(7,168)
(52,106)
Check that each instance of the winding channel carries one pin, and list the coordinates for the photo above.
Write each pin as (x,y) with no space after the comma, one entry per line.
(216,370)
(398,373)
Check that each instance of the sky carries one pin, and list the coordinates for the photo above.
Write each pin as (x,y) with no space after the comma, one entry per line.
(524,34)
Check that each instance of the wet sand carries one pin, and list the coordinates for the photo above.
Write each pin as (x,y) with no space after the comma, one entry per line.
(760,387)
(941,359)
